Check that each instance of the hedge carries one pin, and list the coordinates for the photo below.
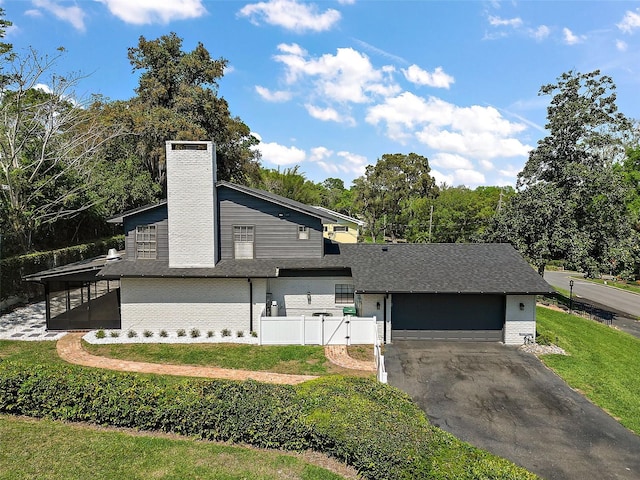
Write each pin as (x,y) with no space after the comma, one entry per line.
(374,427)
(14,268)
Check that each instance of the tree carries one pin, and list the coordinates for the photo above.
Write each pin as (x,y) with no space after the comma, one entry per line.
(48,140)
(387,189)
(177,100)
(290,184)
(571,199)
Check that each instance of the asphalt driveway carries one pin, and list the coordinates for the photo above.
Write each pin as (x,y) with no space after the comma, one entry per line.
(505,401)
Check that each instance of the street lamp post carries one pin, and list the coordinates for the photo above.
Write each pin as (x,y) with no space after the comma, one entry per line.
(570,296)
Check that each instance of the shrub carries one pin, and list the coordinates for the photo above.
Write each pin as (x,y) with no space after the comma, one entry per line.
(225,332)
(181,332)
(114,334)
(254,334)
(374,427)
(147,333)
(240,334)
(163,333)
(210,334)
(194,332)
(100,334)
(132,334)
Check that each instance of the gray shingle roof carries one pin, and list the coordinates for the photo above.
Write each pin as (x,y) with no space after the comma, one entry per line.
(424,268)
(442,268)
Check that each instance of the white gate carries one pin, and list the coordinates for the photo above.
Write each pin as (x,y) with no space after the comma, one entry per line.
(322,330)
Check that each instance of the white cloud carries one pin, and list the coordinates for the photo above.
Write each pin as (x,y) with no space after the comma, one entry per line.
(475,132)
(291,15)
(630,22)
(72,14)
(328,115)
(320,153)
(505,22)
(571,38)
(621,45)
(541,32)
(468,177)
(144,12)
(346,162)
(273,96)
(510,171)
(441,177)
(487,165)
(450,161)
(419,76)
(353,163)
(277,154)
(347,76)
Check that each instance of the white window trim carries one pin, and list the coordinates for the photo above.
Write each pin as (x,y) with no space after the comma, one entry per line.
(146,242)
(243,242)
(303,232)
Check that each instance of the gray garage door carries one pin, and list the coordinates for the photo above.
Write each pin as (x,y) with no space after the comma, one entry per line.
(447,317)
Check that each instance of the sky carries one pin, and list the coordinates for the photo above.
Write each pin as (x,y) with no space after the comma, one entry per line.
(332,86)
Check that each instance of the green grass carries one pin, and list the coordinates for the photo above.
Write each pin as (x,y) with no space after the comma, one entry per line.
(45,449)
(602,363)
(29,352)
(630,287)
(292,359)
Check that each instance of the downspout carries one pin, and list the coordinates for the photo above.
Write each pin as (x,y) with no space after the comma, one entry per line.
(250,306)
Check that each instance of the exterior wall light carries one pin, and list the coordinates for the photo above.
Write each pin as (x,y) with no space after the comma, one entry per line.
(309,298)
(522,306)
(377,305)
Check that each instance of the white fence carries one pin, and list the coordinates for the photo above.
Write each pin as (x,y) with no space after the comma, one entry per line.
(321,330)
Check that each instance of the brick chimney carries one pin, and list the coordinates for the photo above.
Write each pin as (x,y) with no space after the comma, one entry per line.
(192,204)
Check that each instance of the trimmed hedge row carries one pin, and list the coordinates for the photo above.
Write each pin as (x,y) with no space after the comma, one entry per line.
(371,426)
(14,268)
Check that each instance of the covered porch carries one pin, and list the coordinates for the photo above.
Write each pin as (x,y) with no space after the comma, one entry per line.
(76,299)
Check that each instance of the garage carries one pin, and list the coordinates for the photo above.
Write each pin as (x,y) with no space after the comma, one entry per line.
(425,316)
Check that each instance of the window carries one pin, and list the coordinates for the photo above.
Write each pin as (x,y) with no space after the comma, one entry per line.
(340,228)
(303,232)
(344,293)
(243,241)
(146,242)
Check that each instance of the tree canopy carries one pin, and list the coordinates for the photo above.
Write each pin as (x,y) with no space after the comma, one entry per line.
(386,191)
(177,99)
(571,199)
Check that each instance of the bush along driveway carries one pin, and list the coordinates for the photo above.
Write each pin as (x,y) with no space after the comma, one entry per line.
(506,401)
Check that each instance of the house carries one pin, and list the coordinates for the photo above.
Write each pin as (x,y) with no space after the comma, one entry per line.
(345,230)
(216,255)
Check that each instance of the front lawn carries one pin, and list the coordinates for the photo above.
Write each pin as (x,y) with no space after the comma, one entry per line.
(602,363)
(630,287)
(291,359)
(45,449)
(29,352)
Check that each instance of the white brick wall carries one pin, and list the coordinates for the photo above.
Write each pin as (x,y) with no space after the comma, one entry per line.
(519,323)
(291,295)
(191,200)
(369,308)
(202,303)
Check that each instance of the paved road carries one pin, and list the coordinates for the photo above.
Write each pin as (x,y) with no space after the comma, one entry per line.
(504,400)
(616,299)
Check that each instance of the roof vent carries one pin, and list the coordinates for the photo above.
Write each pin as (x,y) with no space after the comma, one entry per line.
(384,249)
(113,255)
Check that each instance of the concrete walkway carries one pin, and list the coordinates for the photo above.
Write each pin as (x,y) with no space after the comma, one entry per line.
(70,349)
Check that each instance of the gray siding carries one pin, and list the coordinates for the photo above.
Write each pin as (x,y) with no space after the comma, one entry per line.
(275,227)
(158,217)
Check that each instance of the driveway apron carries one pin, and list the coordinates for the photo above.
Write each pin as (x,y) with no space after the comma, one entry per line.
(506,401)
